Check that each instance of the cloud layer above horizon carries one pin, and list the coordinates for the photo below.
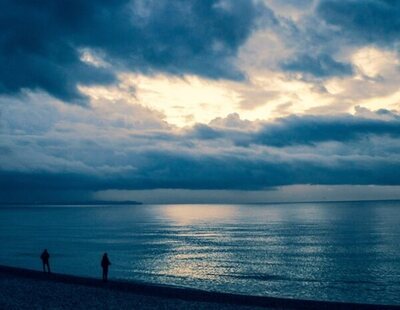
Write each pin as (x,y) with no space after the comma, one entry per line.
(198,95)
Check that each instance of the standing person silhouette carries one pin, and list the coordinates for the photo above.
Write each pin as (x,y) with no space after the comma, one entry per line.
(45,260)
(105,263)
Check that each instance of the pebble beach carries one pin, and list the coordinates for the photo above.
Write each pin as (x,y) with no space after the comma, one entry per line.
(30,289)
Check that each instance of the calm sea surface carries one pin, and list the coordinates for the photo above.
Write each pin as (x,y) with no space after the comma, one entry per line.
(325,251)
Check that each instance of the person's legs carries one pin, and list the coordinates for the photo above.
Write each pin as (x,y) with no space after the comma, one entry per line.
(105,274)
(44,267)
(48,267)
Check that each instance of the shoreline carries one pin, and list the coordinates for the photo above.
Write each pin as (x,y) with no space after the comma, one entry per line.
(185,294)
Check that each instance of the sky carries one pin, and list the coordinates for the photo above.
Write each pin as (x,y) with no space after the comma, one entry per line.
(199,101)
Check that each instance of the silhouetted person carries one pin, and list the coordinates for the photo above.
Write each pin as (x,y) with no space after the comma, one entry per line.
(45,260)
(105,263)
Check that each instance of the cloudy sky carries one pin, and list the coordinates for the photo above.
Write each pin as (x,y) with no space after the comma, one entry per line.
(199,100)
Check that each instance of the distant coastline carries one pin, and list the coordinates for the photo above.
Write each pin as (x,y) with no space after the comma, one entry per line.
(73,203)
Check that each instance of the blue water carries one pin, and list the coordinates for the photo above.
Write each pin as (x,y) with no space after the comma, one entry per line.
(325,251)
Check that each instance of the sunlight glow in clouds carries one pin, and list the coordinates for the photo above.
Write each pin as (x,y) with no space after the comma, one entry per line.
(185,100)
(233,95)
(373,62)
(265,94)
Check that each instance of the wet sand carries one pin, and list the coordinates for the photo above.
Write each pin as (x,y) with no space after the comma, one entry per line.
(27,289)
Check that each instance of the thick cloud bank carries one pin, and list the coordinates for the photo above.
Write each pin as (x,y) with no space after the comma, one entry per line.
(89,150)
(42,42)
(368,21)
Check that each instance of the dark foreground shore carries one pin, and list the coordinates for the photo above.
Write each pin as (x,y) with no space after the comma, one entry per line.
(28,289)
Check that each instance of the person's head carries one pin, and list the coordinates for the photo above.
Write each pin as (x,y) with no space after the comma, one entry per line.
(45,250)
(105,254)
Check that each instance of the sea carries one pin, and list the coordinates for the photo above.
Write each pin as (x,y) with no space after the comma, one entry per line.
(337,251)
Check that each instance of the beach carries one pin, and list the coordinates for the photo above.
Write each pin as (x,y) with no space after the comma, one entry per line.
(23,289)
(30,289)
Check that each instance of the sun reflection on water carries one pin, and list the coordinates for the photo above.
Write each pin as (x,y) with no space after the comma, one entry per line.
(190,214)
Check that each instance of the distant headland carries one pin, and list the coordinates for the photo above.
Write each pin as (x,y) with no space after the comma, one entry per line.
(74,203)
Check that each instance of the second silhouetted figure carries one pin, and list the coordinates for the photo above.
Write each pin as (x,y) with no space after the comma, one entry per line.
(105,263)
(45,260)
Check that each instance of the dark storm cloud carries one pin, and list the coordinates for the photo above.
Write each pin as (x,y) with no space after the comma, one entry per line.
(295,3)
(318,65)
(172,170)
(367,21)
(40,40)
(333,25)
(306,130)
(309,130)
(205,132)
(341,149)
(315,48)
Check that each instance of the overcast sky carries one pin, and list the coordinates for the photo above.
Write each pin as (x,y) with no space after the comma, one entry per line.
(199,100)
